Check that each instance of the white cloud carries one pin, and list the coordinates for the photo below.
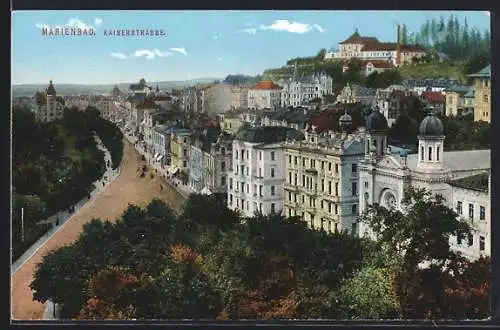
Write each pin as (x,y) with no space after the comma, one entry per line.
(287,26)
(148,54)
(487,13)
(179,50)
(73,22)
(121,56)
(98,21)
(248,30)
(319,28)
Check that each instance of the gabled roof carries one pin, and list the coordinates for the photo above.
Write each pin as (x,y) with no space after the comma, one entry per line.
(355,38)
(484,73)
(266,85)
(433,97)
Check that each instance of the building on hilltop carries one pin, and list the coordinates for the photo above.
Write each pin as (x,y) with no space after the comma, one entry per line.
(49,106)
(370,48)
(385,176)
(321,176)
(257,176)
(482,99)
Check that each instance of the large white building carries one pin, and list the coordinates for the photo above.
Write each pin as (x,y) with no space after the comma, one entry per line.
(257,176)
(264,95)
(322,178)
(384,177)
(298,92)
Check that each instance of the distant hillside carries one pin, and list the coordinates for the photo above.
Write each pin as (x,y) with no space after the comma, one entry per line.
(68,89)
(446,69)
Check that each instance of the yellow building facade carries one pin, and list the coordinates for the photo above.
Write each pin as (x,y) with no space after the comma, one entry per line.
(482,96)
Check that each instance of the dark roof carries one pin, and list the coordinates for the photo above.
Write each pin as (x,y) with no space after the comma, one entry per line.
(376,121)
(267,134)
(431,126)
(51,90)
(355,38)
(460,89)
(478,182)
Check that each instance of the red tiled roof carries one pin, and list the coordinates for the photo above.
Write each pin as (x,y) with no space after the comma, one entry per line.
(355,38)
(392,46)
(433,97)
(266,85)
(324,121)
(379,64)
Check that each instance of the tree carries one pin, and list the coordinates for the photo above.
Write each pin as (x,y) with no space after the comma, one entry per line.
(404,35)
(404,130)
(142,83)
(369,295)
(321,55)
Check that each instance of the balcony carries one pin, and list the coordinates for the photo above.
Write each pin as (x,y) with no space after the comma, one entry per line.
(290,187)
(332,198)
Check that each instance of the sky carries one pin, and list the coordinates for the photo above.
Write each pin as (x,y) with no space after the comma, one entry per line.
(196,44)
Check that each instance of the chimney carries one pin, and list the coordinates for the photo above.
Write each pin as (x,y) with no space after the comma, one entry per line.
(398,46)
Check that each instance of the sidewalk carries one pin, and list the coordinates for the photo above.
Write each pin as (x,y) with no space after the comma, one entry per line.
(64,216)
(184,190)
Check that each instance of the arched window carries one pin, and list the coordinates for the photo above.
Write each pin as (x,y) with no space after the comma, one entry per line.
(437,154)
(430,153)
(422,153)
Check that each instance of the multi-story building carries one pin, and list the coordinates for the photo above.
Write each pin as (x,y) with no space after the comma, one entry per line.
(372,66)
(239,97)
(217,164)
(180,142)
(49,106)
(322,178)
(385,176)
(482,100)
(217,98)
(434,101)
(257,177)
(370,48)
(457,104)
(356,94)
(231,122)
(161,145)
(196,168)
(393,101)
(264,95)
(76,101)
(298,92)
(192,99)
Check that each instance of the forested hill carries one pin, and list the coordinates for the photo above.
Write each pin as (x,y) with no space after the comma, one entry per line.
(454,38)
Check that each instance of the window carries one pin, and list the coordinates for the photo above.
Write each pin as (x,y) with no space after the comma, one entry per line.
(329,187)
(260,155)
(223,181)
(471,211)
(354,168)
(322,165)
(289,159)
(289,196)
(230,183)
(272,208)
(330,207)
(323,185)
(422,153)
(248,188)
(304,162)
(272,172)
(303,199)
(260,191)
(430,153)
(471,240)
(242,154)
(231,199)
(223,151)
(329,166)
(354,188)
(482,242)
(437,153)
(184,164)
(482,213)
(336,209)
(295,179)
(272,155)
(313,163)
(486,98)
(248,205)
(290,177)
(242,169)
(242,186)
(459,207)
(336,188)
(247,154)
(272,190)
(336,168)
(295,160)
(336,228)
(223,166)
(366,184)
(354,208)
(236,154)
(353,229)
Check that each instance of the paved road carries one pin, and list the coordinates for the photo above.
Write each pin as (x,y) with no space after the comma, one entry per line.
(127,188)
